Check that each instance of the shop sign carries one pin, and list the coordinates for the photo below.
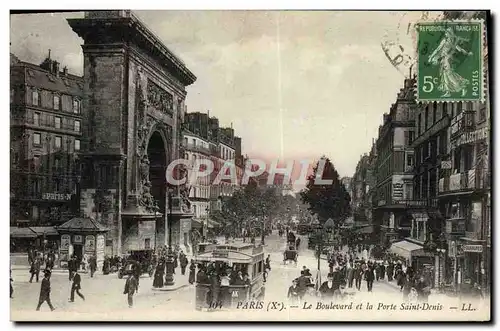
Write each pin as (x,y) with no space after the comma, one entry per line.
(471,137)
(89,243)
(65,242)
(78,239)
(452,248)
(397,191)
(223,254)
(473,248)
(56,196)
(455,182)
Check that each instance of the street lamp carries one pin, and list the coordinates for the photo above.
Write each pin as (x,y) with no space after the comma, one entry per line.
(169,263)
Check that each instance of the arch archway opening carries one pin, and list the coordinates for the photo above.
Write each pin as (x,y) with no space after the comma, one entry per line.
(157,152)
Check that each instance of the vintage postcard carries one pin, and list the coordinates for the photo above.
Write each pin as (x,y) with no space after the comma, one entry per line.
(250,166)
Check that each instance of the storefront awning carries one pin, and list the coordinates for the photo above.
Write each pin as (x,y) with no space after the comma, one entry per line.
(406,249)
(82,224)
(45,230)
(16,232)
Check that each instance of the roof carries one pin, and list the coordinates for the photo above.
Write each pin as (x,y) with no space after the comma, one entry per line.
(16,232)
(47,230)
(83,224)
(67,84)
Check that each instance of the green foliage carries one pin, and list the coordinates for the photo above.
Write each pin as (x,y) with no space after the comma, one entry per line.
(327,201)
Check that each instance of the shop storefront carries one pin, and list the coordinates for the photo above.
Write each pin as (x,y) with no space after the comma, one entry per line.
(82,236)
(413,253)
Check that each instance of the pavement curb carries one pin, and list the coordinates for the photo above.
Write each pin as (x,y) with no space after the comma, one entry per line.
(169,289)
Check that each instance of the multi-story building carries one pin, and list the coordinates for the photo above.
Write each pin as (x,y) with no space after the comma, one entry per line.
(464,187)
(395,160)
(45,142)
(431,155)
(464,191)
(196,148)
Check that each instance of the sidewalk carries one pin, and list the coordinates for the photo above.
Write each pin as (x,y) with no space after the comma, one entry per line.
(180,281)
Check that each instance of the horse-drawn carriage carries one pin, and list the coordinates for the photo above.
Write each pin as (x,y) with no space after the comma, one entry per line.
(290,254)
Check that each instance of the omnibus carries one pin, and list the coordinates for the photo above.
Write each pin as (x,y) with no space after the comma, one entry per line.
(231,258)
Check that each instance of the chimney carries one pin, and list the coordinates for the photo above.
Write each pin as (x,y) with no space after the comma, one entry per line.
(55,68)
(65,71)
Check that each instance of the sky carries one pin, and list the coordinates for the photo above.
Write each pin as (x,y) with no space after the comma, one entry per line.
(295,84)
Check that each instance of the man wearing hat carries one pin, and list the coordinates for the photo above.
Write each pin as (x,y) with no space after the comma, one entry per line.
(327,289)
(45,291)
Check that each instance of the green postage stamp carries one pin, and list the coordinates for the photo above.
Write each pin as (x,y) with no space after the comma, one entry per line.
(450,61)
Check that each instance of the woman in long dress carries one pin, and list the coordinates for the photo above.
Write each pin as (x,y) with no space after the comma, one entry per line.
(159,272)
(192,272)
(449,81)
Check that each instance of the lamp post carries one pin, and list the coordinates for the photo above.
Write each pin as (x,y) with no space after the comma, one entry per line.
(169,264)
(439,251)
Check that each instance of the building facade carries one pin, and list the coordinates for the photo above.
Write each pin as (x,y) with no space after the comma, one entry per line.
(45,142)
(394,165)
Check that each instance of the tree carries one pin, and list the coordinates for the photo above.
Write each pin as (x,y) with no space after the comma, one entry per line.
(327,201)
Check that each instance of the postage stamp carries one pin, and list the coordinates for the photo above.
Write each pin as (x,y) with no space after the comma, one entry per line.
(450,61)
(129,202)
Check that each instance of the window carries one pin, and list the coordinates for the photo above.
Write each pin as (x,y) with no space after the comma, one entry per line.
(35,98)
(445,109)
(409,160)
(411,137)
(36,118)
(57,163)
(419,121)
(57,122)
(57,185)
(57,101)
(434,115)
(482,113)
(147,243)
(36,162)
(76,106)
(57,142)
(37,138)
(458,108)
(426,117)
(77,144)
(77,126)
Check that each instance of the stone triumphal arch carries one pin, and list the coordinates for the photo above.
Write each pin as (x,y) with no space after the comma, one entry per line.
(134,92)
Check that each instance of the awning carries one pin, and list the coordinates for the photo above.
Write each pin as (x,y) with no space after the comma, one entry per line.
(16,232)
(407,249)
(47,230)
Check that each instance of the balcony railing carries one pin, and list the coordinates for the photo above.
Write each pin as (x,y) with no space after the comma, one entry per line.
(462,122)
(469,180)
(196,148)
(455,226)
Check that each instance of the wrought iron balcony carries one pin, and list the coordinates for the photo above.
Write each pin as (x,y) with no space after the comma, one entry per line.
(463,122)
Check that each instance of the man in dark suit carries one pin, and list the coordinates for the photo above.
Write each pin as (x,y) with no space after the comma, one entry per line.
(370,277)
(35,269)
(76,286)
(131,287)
(45,291)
